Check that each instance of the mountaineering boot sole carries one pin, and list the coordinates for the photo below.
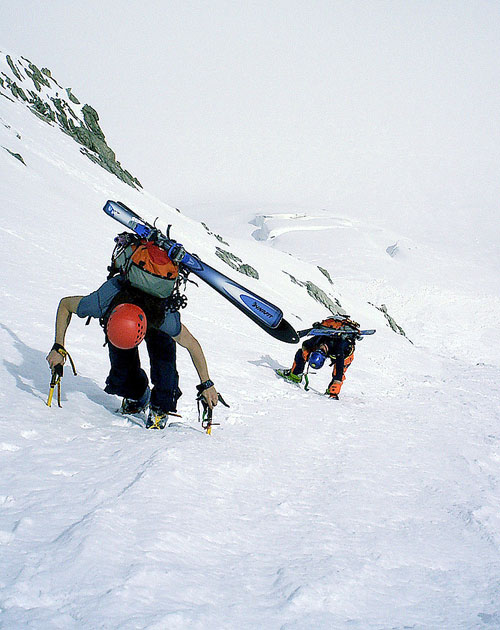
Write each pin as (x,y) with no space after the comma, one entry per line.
(288,376)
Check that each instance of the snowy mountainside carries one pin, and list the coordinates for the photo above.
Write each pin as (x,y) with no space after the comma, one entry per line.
(376,511)
(22,81)
(198,238)
(444,297)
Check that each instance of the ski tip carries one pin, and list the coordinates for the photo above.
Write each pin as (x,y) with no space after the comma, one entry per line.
(285,332)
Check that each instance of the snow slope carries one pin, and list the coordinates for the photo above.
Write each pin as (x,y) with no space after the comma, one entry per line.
(379,511)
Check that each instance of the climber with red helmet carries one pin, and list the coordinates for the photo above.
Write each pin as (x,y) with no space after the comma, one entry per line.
(128,317)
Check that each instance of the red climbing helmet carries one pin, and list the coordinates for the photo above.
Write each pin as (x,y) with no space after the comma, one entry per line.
(126,326)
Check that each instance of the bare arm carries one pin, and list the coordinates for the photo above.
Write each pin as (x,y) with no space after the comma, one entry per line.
(192,345)
(67,306)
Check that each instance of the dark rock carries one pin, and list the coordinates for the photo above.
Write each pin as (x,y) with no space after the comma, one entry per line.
(72,97)
(219,238)
(18,156)
(37,77)
(333,305)
(236,263)
(13,68)
(326,274)
(392,323)
(91,118)
(18,92)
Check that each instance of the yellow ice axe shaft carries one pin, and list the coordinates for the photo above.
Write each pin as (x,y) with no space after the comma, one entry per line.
(57,374)
(55,381)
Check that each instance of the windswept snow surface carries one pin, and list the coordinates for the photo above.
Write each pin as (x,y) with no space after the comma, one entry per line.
(379,511)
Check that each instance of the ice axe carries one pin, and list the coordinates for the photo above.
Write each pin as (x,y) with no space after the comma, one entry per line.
(57,374)
(206,416)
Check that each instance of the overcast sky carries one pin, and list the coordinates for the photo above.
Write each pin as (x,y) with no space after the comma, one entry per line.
(359,105)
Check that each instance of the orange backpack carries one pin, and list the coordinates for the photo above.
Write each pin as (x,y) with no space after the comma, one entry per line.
(144,265)
(338,322)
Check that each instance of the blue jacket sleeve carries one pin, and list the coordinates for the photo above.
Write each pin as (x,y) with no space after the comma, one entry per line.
(97,303)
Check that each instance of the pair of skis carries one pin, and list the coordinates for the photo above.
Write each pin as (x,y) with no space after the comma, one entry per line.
(334,332)
(265,314)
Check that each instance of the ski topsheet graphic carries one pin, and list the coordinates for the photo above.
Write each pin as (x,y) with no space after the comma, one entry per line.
(265,314)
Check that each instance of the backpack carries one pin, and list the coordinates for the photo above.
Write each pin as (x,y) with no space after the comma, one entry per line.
(338,322)
(143,265)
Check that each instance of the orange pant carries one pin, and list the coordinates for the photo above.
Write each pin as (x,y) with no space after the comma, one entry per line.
(334,388)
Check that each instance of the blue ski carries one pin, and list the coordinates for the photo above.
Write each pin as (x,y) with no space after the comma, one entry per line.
(332,332)
(265,314)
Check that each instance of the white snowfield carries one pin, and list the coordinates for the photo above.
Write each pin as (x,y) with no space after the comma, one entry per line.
(376,512)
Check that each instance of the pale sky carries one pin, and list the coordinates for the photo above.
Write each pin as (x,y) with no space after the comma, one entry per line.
(362,105)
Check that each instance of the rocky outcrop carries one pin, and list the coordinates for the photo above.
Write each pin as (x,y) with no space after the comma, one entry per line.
(18,156)
(217,236)
(391,321)
(236,263)
(333,305)
(24,81)
(326,274)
